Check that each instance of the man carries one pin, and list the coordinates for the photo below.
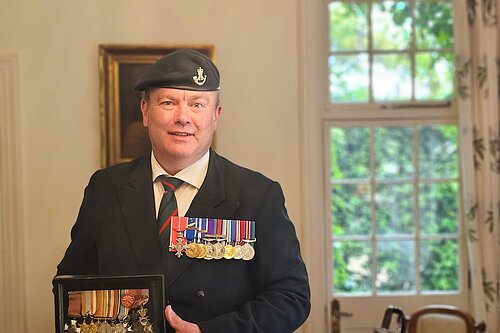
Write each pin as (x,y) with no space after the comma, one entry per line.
(116,231)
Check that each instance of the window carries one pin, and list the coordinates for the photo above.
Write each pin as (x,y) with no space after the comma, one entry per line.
(391,137)
(394,209)
(387,51)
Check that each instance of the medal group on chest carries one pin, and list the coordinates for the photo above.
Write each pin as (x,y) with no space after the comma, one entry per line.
(206,238)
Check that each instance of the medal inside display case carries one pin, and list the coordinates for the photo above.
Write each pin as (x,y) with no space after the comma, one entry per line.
(109,304)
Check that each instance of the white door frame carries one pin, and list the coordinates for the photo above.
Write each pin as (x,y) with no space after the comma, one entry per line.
(312,15)
(12,276)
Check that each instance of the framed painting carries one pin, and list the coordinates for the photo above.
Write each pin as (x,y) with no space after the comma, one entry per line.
(123,137)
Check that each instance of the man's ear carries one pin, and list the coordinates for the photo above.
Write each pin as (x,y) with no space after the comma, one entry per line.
(218,111)
(144,111)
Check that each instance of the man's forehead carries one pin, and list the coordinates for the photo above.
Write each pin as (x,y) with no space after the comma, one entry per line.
(183,94)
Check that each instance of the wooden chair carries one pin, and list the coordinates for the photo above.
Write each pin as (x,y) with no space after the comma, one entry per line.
(443,319)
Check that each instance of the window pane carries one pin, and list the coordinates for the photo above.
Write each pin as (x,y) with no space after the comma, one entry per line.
(394,152)
(434,75)
(391,77)
(349,78)
(394,209)
(439,265)
(351,210)
(438,152)
(351,264)
(433,24)
(375,194)
(439,208)
(350,157)
(395,266)
(348,26)
(391,25)
(364,38)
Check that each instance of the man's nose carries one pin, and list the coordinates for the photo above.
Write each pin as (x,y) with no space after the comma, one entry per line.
(182,114)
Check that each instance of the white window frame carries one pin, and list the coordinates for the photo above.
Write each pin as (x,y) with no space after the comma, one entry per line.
(387,122)
(316,110)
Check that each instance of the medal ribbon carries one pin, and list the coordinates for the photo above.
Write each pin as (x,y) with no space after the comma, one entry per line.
(191,231)
(237,238)
(74,303)
(101,296)
(122,310)
(93,302)
(226,231)
(177,224)
(211,228)
(242,231)
(88,303)
(219,227)
(113,305)
(249,230)
(194,229)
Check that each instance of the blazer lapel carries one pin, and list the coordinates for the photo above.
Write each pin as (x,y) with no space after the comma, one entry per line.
(137,204)
(210,201)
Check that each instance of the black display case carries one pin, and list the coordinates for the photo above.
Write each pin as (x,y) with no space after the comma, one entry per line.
(109,303)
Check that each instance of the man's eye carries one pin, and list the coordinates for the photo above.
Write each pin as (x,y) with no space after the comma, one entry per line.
(198,105)
(166,103)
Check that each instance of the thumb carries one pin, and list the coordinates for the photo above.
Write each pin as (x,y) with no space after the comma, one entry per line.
(178,324)
(171,316)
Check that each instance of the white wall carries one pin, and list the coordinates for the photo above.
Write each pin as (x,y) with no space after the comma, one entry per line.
(57,42)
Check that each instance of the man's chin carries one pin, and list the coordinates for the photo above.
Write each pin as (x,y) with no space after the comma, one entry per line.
(180,157)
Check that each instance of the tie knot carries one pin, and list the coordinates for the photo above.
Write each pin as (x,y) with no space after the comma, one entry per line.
(170,183)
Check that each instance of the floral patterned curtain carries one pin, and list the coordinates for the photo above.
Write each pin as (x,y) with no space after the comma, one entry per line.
(478,67)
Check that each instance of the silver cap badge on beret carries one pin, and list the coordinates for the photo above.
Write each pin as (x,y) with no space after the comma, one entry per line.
(200,79)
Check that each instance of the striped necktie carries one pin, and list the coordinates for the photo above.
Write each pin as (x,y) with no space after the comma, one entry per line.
(168,208)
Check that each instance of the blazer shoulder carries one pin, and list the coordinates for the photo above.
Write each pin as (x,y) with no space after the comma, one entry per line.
(241,175)
(121,172)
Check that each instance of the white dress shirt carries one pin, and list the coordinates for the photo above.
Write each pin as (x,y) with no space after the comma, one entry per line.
(193,177)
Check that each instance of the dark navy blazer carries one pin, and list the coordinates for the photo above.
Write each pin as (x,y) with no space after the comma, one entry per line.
(115,233)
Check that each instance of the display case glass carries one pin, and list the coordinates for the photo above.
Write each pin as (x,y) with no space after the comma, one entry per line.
(109,304)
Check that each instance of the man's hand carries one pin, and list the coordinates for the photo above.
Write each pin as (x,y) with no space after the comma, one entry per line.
(178,324)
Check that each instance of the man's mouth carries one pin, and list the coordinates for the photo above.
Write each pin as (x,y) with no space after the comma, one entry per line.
(180,133)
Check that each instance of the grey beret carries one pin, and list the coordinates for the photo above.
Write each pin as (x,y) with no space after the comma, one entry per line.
(182,69)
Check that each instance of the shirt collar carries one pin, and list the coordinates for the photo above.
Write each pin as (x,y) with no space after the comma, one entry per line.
(193,174)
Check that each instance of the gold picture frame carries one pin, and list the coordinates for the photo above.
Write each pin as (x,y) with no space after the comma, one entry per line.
(123,137)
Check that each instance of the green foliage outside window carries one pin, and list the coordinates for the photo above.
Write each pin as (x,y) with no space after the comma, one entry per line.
(403,195)
(391,51)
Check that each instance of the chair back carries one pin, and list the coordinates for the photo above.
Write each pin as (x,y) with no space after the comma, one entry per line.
(443,319)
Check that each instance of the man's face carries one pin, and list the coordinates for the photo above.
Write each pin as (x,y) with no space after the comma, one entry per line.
(181,124)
